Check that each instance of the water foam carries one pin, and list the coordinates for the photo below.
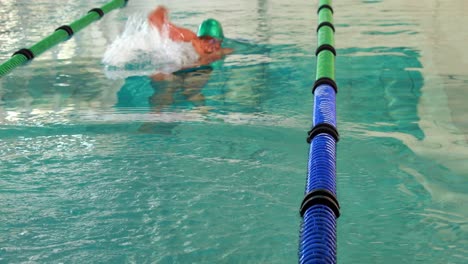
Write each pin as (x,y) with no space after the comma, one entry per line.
(142,50)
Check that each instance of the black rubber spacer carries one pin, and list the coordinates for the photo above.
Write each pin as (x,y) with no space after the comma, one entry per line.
(325,47)
(67,29)
(326,23)
(323,128)
(325,6)
(25,52)
(98,11)
(325,80)
(320,196)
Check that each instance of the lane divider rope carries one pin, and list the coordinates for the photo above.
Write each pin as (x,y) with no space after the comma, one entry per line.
(320,207)
(60,34)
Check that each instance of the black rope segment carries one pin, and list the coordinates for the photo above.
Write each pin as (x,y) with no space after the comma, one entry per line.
(126,2)
(323,197)
(325,47)
(67,29)
(326,23)
(323,128)
(325,6)
(327,81)
(97,11)
(26,53)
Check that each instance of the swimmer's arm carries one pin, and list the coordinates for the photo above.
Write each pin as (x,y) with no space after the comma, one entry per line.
(226,51)
(162,76)
(159,18)
(181,34)
(209,58)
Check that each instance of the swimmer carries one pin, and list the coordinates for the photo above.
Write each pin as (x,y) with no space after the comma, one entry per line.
(187,82)
(206,42)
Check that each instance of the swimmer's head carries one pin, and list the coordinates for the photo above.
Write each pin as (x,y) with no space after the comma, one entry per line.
(211,28)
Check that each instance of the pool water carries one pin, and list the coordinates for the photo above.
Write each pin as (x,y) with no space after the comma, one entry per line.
(100,169)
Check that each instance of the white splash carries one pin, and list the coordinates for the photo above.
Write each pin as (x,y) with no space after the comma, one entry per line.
(142,50)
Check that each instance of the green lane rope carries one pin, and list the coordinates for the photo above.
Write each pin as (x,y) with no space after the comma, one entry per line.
(326,36)
(325,65)
(61,34)
(325,42)
(326,14)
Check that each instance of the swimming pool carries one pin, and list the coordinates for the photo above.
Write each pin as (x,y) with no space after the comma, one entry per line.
(88,176)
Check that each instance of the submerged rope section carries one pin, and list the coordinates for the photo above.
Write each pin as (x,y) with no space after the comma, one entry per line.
(61,34)
(320,207)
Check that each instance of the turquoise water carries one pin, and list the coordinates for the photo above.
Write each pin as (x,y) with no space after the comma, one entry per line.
(90,172)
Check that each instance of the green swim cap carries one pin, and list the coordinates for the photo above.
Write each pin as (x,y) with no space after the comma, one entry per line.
(211,28)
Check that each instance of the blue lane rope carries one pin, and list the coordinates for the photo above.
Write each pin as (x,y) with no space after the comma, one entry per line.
(320,207)
(318,231)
